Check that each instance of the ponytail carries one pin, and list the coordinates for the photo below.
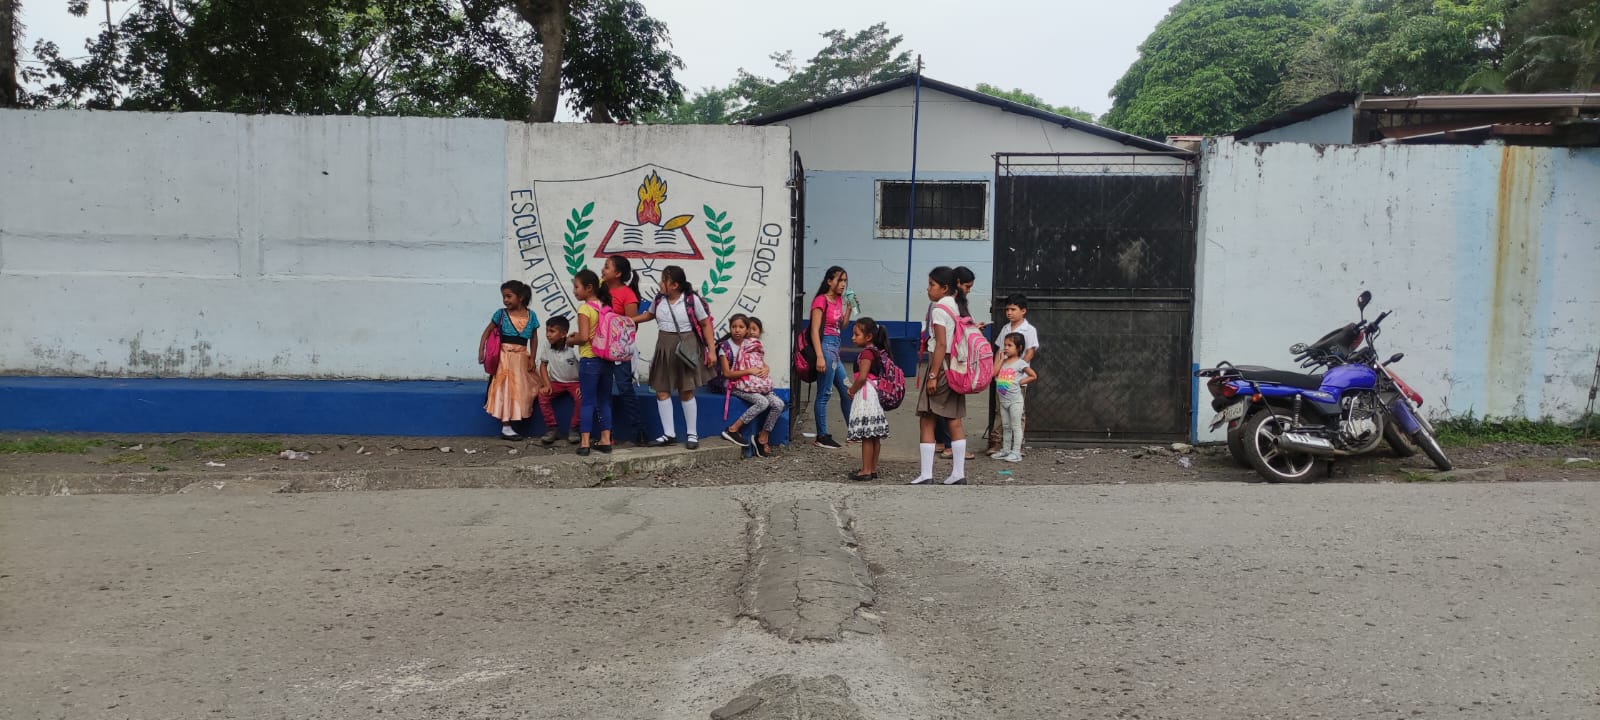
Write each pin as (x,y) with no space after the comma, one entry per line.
(625,272)
(587,278)
(950,279)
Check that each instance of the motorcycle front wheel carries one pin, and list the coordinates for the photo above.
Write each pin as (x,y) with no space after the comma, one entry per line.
(1396,438)
(1430,447)
(1260,438)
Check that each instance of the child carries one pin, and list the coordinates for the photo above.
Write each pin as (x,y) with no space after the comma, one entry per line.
(1013,374)
(868,422)
(594,374)
(623,284)
(750,384)
(947,302)
(1017,314)
(511,390)
(558,366)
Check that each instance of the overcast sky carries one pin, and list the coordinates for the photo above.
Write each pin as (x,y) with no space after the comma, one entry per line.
(1068,52)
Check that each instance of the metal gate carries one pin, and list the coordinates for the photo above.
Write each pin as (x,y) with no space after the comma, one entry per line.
(1103,246)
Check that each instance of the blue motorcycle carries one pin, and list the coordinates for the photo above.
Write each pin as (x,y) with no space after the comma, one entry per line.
(1284,423)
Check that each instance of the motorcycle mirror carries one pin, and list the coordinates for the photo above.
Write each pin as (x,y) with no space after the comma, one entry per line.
(1297,348)
(1395,358)
(1363,299)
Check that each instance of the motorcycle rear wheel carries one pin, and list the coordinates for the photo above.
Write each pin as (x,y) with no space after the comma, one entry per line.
(1260,437)
(1430,447)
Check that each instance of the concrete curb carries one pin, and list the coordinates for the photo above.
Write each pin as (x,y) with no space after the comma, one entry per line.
(560,471)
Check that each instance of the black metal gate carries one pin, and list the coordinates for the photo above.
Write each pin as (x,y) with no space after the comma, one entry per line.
(1103,246)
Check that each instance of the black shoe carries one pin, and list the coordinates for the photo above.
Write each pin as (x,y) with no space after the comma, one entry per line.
(693,442)
(603,447)
(731,437)
(511,438)
(662,441)
(583,452)
(827,441)
(959,481)
(862,477)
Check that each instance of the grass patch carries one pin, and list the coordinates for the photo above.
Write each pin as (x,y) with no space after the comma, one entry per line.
(220,448)
(48,445)
(1470,431)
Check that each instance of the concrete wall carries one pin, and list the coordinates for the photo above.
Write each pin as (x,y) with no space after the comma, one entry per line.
(1334,128)
(1488,255)
(847,149)
(207,245)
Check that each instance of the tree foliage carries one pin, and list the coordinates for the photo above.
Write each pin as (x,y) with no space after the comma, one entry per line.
(453,58)
(10,38)
(1211,66)
(1399,47)
(1554,46)
(1017,95)
(848,62)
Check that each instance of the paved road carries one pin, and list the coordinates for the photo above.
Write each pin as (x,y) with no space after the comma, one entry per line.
(1148,601)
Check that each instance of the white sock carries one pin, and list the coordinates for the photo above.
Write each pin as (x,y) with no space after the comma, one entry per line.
(958,455)
(925,454)
(505,429)
(664,409)
(691,428)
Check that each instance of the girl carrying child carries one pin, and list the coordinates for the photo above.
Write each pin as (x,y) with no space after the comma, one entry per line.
(1013,374)
(515,382)
(594,373)
(746,372)
(868,422)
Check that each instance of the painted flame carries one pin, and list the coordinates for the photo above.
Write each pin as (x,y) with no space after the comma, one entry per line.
(651,194)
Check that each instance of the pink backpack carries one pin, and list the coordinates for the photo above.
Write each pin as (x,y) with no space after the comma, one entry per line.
(970,368)
(752,355)
(614,334)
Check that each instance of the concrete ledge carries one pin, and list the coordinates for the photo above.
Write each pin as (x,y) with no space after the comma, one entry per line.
(299,407)
(561,471)
(805,579)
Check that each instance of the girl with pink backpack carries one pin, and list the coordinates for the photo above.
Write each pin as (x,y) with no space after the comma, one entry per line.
(746,373)
(947,309)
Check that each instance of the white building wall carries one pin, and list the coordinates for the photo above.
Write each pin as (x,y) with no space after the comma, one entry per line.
(1331,128)
(1488,255)
(209,245)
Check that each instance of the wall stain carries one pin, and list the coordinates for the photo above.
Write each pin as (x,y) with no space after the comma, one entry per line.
(1518,203)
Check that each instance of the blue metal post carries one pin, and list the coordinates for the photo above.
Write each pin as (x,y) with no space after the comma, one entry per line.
(911,219)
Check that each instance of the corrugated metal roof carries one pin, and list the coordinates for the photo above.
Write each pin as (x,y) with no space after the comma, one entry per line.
(1529,101)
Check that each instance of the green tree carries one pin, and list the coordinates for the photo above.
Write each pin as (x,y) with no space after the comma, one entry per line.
(10,36)
(1554,46)
(849,62)
(1400,47)
(1016,95)
(710,106)
(1212,66)
(619,67)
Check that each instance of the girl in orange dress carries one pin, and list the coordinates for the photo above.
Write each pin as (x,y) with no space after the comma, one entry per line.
(514,385)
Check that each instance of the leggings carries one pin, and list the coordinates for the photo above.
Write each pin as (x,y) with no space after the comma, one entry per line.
(760,404)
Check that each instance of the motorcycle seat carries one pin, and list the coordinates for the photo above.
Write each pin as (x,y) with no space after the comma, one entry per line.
(1279,377)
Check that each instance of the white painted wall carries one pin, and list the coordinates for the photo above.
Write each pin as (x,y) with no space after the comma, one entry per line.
(1488,255)
(208,245)
(1332,128)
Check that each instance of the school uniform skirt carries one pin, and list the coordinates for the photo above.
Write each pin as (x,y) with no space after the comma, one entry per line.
(668,373)
(942,402)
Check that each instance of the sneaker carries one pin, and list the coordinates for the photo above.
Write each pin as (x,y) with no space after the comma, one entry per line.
(573,438)
(735,439)
(827,441)
(693,443)
(1013,457)
(549,438)
(998,455)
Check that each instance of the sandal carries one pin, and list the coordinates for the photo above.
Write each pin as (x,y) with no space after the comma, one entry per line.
(859,476)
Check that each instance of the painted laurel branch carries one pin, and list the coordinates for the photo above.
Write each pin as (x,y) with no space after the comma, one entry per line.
(722,247)
(577,232)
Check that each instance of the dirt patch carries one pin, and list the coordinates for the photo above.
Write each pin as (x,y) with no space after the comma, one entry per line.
(230,454)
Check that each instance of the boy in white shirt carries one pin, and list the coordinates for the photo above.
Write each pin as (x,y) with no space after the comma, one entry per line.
(558,363)
(1017,314)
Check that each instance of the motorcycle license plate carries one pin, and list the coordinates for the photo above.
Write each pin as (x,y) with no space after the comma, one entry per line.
(1229,414)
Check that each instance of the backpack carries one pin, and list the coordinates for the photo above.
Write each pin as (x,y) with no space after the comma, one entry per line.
(614,334)
(694,319)
(891,381)
(752,356)
(718,383)
(970,367)
(805,358)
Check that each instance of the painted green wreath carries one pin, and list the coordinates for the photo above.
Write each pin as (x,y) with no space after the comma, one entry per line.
(577,232)
(722,247)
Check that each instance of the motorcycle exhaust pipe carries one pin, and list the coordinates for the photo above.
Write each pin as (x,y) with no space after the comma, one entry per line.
(1307,444)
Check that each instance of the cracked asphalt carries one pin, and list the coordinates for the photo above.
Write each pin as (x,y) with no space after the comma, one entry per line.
(1193,601)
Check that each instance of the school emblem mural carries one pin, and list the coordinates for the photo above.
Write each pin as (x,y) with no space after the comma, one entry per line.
(656,217)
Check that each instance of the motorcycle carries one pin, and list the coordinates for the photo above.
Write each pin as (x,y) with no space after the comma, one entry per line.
(1283,423)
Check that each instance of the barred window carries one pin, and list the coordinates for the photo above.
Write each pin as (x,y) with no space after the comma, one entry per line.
(949,210)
